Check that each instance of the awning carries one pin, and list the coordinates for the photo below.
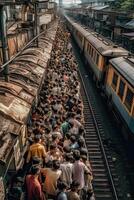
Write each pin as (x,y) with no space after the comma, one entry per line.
(100,7)
(130,24)
(128,34)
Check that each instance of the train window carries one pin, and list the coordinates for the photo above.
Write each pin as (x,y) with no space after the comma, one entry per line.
(121,89)
(114,81)
(95,56)
(89,48)
(80,37)
(129,99)
(97,59)
(92,52)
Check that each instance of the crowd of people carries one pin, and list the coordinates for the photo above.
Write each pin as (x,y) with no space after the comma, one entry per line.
(56,163)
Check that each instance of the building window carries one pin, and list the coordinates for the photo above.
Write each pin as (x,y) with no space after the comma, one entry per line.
(129,99)
(121,89)
(114,81)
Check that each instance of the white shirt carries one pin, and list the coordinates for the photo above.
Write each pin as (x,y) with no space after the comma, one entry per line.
(67,172)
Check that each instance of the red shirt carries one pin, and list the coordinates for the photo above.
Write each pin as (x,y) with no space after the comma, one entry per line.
(34,191)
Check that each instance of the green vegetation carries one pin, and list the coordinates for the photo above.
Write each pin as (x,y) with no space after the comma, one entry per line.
(124,4)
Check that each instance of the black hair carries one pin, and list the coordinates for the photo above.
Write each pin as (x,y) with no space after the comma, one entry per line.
(83,151)
(36,139)
(62,185)
(68,156)
(81,142)
(56,164)
(34,170)
(54,137)
(52,146)
(36,131)
(68,135)
(73,138)
(76,155)
(67,149)
(75,184)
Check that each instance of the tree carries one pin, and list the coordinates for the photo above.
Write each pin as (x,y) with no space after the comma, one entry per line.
(123,4)
(127,5)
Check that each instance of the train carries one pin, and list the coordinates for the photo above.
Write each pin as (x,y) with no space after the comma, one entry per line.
(112,69)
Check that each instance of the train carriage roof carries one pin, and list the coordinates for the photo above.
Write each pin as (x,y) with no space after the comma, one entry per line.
(103,45)
(125,66)
(84,32)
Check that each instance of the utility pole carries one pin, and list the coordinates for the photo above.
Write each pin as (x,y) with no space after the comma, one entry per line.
(60,3)
(37,27)
(3,32)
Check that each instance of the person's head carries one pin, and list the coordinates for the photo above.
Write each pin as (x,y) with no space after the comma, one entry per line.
(67,149)
(36,139)
(62,186)
(53,148)
(68,157)
(83,151)
(56,164)
(71,124)
(73,139)
(36,131)
(81,131)
(84,158)
(47,130)
(35,170)
(76,155)
(55,138)
(75,186)
(68,135)
(49,164)
(81,142)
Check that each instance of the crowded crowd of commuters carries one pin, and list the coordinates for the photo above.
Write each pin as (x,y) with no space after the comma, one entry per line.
(57,163)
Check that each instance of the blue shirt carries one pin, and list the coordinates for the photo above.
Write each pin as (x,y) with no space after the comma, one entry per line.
(62,196)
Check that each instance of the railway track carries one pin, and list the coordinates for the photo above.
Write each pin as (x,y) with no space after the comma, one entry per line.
(105,181)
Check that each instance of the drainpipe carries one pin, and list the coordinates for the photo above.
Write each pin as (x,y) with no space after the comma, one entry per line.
(4,41)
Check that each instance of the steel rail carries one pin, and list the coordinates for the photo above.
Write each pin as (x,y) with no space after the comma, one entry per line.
(100,140)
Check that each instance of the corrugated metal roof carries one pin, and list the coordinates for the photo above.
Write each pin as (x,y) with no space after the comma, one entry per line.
(16,91)
(128,34)
(126,67)
(14,107)
(16,97)
(6,140)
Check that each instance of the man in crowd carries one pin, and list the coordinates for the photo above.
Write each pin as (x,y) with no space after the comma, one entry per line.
(33,186)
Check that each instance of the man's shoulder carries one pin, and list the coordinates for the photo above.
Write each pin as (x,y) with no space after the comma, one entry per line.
(73,195)
(62,196)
